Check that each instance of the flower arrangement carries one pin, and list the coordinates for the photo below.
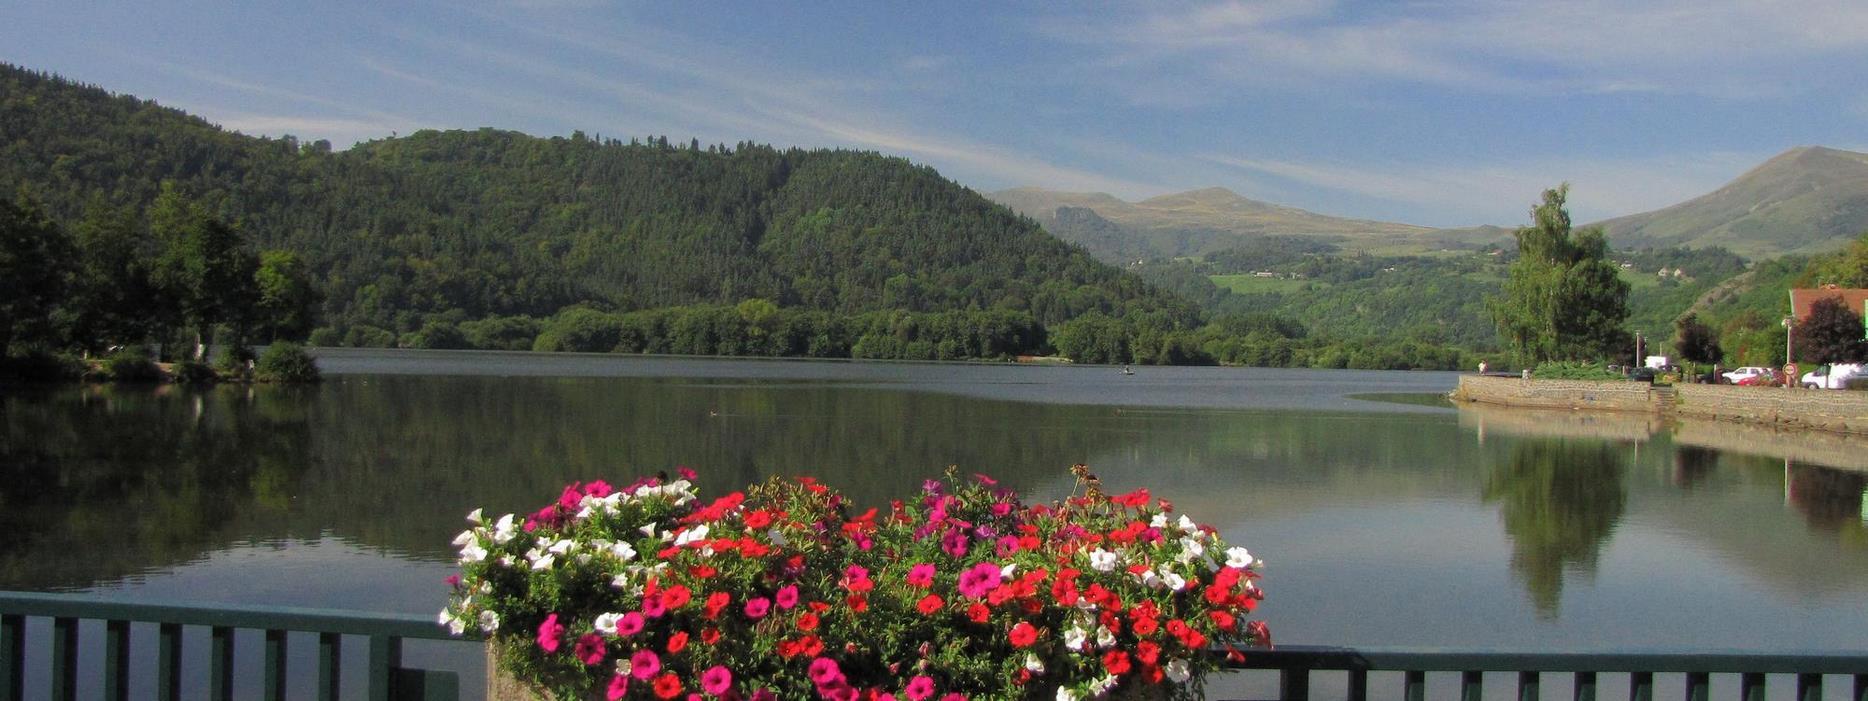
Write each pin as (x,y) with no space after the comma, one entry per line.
(779,592)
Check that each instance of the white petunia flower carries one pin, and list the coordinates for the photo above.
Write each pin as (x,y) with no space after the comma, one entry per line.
(605,624)
(476,518)
(691,535)
(504,530)
(623,551)
(1105,638)
(562,546)
(472,552)
(1238,557)
(1065,693)
(1187,524)
(1177,670)
(1159,521)
(1103,685)
(1102,560)
(466,536)
(1006,571)
(649,530)
(489,621)
(1075,638)
(1033,663)
(542,562)
(1172,580)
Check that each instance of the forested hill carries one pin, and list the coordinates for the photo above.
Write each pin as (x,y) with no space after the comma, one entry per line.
(468,225)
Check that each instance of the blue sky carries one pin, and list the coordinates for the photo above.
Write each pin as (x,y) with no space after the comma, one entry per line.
(1436,112)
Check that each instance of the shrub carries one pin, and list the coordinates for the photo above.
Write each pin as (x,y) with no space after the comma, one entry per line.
(1573,370)
(195,373)
(131,365)
(286,362)
(325,336)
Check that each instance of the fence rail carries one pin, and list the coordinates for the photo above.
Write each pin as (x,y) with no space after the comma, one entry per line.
(387,679)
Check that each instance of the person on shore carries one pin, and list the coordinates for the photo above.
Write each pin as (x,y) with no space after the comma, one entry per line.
(1481,367)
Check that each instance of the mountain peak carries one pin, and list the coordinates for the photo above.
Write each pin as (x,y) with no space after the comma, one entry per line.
(1807,199)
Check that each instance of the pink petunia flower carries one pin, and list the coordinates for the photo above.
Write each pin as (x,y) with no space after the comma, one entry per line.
(921,575)
(619,687)
(630,624)
(824,670)
(716,680)
(550,634)
(644,664)
(787,597)
(919,688)
(979,579)
(589,648)
(756,608)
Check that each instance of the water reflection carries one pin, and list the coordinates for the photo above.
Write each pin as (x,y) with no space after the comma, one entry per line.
(1559,500)
(1830,500)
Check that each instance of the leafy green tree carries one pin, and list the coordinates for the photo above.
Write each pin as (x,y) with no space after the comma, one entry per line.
(205,266)
(1695,341)
(1562,300)
(35,257)
(1848,268)
(1830,334)
(288,302)
(114,300)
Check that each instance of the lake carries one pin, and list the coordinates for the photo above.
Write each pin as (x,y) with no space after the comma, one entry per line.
(1386,517)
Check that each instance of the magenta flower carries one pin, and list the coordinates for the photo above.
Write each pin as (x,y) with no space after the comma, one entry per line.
(953,542)
(979,579)
(764,695)
(839,691)
(954,697)
(919,688)
(758,607)
(921,575)
(824,671)
(653,607)
(550,633)
(787,597)
(716,680)
(630,624)
(589,648)
(1008,545)
(619,687)
(644,664)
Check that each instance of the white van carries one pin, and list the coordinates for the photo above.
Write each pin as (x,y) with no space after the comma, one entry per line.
(1835,376)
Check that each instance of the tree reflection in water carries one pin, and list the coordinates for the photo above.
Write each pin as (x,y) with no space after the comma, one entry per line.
(1560,501)
(1831,500)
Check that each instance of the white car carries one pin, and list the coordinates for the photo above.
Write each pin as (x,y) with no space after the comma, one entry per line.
(1835,376)
(1735,376)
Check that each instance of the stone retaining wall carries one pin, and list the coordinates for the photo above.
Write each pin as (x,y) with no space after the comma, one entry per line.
(1823,409)
(1795,408)
(1556,394)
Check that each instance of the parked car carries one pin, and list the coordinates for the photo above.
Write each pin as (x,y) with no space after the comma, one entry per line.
(1643,374)
(1738,376)
(1835,376)
(1768,378)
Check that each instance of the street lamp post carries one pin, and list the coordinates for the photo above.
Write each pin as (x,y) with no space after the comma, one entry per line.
(1790,362)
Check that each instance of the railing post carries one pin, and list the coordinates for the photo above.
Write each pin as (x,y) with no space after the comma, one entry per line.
(1294,685)
(385,654)
(1527,686)
(1358,685)
(1471,685)
(1751,686)
(12,657)
(1698,686)
(274,674)
(64,659)
(1585,687)
(220,664)
(1640,686)
(1861,687)
(169,662)
(1809,687)
(330,664)
(1414,687)
(117,660)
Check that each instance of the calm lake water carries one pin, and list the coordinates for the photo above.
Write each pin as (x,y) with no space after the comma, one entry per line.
(1387,521)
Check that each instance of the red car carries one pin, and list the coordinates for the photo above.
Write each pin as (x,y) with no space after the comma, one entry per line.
(1768,378)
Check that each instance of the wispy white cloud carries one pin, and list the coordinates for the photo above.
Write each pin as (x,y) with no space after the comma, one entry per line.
(338,130)
(1492,193)
(1722,48)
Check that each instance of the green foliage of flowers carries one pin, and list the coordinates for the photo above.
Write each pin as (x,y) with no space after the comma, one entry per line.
(780,592)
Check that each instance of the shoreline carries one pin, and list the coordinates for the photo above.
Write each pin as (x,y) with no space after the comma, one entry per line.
(1832,411)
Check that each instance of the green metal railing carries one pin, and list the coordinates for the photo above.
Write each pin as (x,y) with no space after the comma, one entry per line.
(386,678)
(1295,665)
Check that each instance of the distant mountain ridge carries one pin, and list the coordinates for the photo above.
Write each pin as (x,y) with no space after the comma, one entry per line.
(1809,199)
(1198,222)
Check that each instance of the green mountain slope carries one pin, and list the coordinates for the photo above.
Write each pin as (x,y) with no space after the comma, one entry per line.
(1199,222)
(1805,200)
(470,224)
